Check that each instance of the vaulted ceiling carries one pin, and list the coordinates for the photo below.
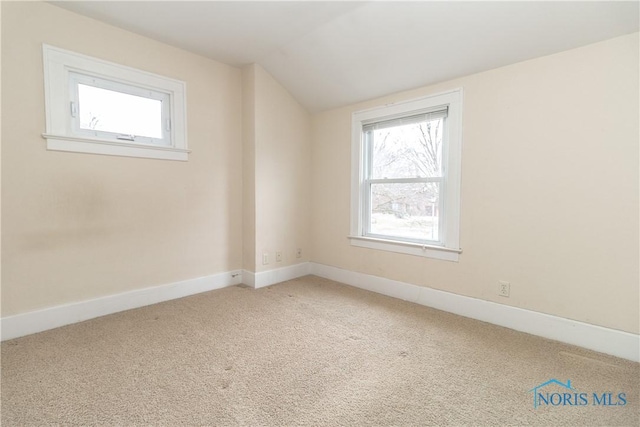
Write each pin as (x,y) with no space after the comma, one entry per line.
(329,54)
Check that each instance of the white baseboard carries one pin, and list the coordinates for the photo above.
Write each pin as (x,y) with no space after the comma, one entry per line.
(249,278)
(598,338)
(61,315)
(610,341)
(271,277)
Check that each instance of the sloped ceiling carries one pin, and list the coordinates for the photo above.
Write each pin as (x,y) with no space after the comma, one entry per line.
(329,54)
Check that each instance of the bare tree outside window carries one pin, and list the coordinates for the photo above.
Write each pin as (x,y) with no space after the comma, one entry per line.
(94,121)
(411,209)
(117,112)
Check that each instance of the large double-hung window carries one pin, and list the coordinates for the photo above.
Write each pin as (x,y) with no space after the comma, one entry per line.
(406,180)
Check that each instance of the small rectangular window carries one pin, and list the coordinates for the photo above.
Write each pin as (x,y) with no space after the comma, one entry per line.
(99,107)
(110,109)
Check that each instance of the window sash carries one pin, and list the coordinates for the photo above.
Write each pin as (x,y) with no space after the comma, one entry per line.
(76,79)
(367,187)
(367,181)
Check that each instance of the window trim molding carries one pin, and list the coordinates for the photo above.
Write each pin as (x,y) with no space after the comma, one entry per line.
(86,145)
(59,63)
(452,159)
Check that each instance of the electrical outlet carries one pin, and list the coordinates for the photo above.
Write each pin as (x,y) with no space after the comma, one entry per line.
(265,258)
(504,288)
(299,253)
(279,256)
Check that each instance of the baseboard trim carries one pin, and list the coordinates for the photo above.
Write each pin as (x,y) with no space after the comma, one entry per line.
(604,340)
(53,317)
(271,277)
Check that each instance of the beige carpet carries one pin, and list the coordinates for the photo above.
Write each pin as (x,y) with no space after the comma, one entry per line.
(305,352)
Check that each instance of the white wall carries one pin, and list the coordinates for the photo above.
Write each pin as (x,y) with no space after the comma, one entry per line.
(549,188)
(79,226)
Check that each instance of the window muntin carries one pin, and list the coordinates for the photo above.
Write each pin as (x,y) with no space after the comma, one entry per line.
(406,160)
(108,109)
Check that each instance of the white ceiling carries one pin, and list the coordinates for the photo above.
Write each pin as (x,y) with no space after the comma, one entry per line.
(329,54)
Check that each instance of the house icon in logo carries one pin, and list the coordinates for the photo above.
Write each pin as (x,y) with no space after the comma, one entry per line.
(551,381)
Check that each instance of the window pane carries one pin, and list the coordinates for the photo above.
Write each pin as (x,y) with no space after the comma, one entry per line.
(117,112)
(407,151)
(409,211)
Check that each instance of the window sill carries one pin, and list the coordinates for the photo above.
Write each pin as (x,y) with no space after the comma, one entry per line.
(436,252)
(111,148)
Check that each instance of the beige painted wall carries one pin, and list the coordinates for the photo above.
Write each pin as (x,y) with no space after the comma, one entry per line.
(549,188)
(282,173)
(549,191)
(79,226)
(248,168)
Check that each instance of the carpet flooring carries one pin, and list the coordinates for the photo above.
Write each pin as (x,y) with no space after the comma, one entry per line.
(306,352)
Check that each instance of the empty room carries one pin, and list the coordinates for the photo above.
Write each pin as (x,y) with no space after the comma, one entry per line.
(320,213)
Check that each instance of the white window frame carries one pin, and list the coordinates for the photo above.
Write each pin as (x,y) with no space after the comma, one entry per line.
(64,69)
(448,248)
